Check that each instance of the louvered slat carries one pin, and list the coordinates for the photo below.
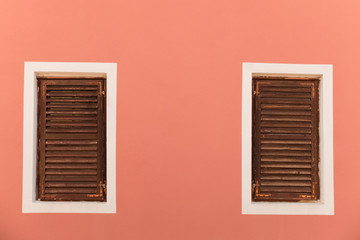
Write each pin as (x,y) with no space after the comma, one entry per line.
(71,146)
(285,139)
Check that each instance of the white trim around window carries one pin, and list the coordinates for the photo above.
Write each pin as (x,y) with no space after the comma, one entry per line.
(29,203)
(325,206)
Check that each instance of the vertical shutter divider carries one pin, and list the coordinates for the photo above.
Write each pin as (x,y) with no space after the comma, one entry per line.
(100,139)
(315,140)
(256,140)
(41,142)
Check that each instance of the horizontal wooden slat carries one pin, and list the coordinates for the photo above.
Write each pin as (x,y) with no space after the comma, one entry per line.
(287,130)
(71,136)
(287,197)
(286,124)
(72,94)
(71,148)
(286,159)
(285,171)
(69,100)
(66,178)
(73,197)
(300,136)
(287,183)
(71,124)
(72,105)
(286,95)
(71,184)
(70,172)
(70,166)
(286,141)
(74,130)
(83,112)
(69,160)
(71,190)
(286,112)
(70,154)
(285,118)
(285,147)
(301,89)
(288,100)
(287,177)
(287,165)
(72,142)
(72,87)
(285,153)
(286,83)
(57,99)
(70,118)
(286,189)
(70,108)
(285,106)
(286,77)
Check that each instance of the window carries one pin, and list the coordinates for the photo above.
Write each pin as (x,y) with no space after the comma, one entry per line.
(71,160)
(69,139)
(287,158)
(285,137)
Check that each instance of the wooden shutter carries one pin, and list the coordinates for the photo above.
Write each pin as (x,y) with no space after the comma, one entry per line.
(71,148)
(285,139)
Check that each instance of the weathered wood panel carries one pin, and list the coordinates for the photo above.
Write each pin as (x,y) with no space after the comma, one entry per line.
(285,139)
(71,139)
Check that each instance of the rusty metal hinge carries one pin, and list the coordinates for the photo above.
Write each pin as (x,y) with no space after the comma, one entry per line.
(257,193)
(257,185)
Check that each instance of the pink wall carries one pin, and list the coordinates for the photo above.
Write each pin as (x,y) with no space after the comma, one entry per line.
(179,110)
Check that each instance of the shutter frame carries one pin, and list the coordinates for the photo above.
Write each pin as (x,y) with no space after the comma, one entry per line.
(282,93)
(74,133)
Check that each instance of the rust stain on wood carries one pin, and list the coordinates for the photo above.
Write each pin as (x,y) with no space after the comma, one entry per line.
(306,196)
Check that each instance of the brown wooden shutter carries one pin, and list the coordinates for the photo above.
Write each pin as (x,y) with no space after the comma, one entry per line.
(71,138)
(285,139)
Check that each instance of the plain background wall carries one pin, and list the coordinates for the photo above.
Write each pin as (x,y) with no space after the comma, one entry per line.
(179,110)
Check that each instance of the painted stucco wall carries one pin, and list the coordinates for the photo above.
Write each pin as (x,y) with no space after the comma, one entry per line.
(179,110)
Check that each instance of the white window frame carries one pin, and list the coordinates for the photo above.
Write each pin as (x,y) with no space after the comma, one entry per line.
(325,206)
(29,202)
